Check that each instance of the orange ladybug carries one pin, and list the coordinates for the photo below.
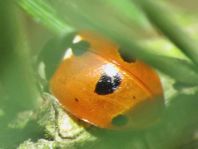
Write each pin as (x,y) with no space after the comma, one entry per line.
(102,87)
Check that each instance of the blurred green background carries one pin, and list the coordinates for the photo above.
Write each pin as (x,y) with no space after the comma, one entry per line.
(163,33)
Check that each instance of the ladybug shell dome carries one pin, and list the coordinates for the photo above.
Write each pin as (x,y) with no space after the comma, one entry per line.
(100,87)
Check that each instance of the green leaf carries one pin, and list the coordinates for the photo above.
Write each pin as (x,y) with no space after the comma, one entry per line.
(18,91)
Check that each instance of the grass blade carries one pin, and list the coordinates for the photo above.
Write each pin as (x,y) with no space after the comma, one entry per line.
(162,19)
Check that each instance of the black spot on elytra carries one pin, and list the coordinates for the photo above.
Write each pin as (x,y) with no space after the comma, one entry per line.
(126,57)
(107,84)
(76,99)
(80,48)
(119,120)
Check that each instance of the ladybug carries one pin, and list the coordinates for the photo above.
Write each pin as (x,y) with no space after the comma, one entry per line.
(101,86)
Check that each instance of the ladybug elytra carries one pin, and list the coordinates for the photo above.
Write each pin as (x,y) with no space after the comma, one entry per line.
(98,85)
